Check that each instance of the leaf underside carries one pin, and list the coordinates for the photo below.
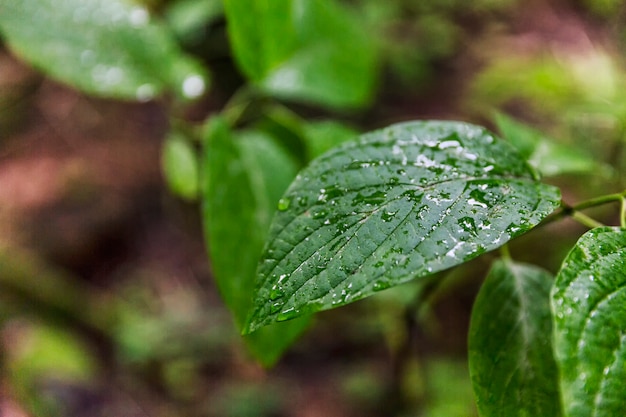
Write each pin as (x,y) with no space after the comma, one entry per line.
(510,356)
(589,314)
(400,203)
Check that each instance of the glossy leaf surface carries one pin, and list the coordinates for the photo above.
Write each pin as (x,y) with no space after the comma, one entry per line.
(589,309)
(314,51)
(400,203)
(510,343)
(244,176)
(547,156)
(105,47)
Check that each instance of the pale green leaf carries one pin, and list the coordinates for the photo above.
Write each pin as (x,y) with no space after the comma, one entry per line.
(400,203)
(314,51)
(110,48)
(547,156)
(180,166)
(510,344)
(244,176)
(589,312)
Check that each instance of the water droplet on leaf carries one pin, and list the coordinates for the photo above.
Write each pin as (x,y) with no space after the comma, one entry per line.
(283,204)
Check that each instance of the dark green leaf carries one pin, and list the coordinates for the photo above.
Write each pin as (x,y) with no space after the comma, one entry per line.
(547,156)
(180,166)
(104,47)
(244,176)
(589,310)
(510,344)
(401,203)
(309,50)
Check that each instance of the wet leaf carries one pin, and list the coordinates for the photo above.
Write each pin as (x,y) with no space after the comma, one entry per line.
(180,166)
(401,203)
(314,51)
(547,156)
(588,302)
(510,339)
(109,48)
(244,176)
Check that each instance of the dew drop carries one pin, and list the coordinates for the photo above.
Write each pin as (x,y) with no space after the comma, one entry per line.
(276,292)
(283,204)
(388,216)
(193,86)
(138,17)
(381,285)
(145,92)
(288,314)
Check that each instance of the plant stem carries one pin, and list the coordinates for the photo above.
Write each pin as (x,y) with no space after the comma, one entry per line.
(586,220)
(574,211)
(599,201)
(505,252)
(236,107)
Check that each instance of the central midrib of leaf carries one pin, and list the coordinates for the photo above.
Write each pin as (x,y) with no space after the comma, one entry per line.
(369,214)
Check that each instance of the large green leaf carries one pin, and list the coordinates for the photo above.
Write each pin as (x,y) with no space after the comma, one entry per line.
(104,47)
(309,50)
(511,364)
(401,203)
(589,311)
(244,176)
(547,156)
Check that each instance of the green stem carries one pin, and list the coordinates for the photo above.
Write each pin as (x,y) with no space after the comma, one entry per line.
(236,107)
(599,201)
(623,213)
(505,253)
(586,220)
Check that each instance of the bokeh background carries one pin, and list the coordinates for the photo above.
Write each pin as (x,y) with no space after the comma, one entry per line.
(107,304)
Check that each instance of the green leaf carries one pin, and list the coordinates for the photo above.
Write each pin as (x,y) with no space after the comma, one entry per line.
(324,135)
(588,302)
(180,166)
(314,51)
(187,18)
(109,48)
(510,355)
(244,176)
(401,203)
(547,156)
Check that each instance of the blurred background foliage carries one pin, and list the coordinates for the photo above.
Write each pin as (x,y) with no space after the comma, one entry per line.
(107,303)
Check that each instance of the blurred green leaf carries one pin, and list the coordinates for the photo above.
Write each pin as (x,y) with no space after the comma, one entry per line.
(588,302)
(324,135)
(401,203)
(314,51)
(244,176)
(180,166)
(109,48)
(547,156)
(187,17)
(40,350)
(512,370)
